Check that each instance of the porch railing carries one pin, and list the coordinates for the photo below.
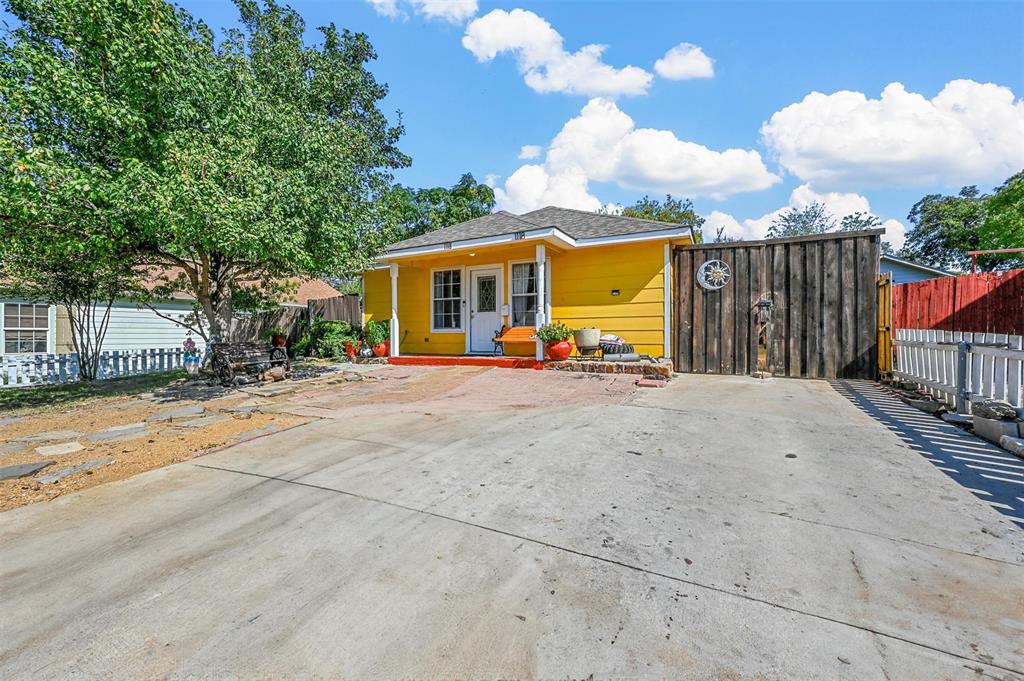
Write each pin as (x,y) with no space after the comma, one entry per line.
(30,370)
(956,367)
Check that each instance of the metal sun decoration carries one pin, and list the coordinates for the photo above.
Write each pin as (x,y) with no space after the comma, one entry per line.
(713,275)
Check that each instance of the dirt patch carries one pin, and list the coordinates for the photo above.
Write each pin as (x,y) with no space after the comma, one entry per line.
(161,445)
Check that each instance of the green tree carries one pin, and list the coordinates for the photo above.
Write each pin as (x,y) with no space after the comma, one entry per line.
(424,210)
(223,168)
(74,274)
(811,219)
(679,211)
(944,228)
(1003,226)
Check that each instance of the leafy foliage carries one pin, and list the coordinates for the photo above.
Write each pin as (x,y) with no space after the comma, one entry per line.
(326,338)
(376,332)
(224,169)
(554,332)
(1004,218)
(945,228)
(811,219)
(425,210)
(679,211)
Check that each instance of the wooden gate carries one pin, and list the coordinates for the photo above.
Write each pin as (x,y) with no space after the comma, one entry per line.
(885,325)
(801,307)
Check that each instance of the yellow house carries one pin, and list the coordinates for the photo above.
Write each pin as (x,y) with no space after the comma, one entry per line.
(449,292)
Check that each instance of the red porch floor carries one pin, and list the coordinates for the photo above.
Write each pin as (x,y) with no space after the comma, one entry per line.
(467,361)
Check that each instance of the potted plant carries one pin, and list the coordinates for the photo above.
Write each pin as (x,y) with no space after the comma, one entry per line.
(376,334)
(555,337)
(277,336)
(192,359)
(351,346)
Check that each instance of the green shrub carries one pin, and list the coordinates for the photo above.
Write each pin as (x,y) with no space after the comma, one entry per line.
(376,333)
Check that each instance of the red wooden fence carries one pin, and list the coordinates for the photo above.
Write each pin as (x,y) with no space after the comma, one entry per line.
(979,303)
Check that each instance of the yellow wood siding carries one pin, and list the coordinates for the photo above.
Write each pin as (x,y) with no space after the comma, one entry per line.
(582,281)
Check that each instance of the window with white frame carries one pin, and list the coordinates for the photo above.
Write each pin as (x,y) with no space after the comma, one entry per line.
(524,294)
(446,301)
(26,328)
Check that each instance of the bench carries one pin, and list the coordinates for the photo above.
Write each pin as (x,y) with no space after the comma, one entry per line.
(513,334)
(228,359)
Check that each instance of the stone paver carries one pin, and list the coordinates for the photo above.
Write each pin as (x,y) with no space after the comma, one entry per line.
(1014,445)
(11,447)
(176,414)
(51,435)
(60,449)
(11,420)
(120,433)
(57,476)
(201,422)
(23,469)
(270,390)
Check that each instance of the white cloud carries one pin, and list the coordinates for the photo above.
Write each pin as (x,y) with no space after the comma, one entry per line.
(602,144)
(454,11)
(969,133)
(839,204)
(545,64)
(387,8)
(685,61)
(530,151)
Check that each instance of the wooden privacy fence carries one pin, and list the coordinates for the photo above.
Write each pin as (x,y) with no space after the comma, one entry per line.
(344,308)
(28,370)
(986,302)
(804,306)
(956,366)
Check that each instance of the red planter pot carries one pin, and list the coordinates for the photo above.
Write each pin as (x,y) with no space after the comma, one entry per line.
(558,351)
(280,341)
(350,350)
(381,349)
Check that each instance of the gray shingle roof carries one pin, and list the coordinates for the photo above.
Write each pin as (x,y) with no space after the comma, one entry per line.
(578,224)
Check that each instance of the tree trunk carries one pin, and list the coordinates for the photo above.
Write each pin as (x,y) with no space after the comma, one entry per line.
(89,321)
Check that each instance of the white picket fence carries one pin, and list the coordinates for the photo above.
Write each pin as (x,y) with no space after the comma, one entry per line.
(957,366)
(28,370)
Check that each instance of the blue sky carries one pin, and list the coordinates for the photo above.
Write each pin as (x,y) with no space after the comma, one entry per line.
(651,133)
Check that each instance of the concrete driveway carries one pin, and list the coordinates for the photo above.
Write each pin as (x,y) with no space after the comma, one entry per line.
(720,528)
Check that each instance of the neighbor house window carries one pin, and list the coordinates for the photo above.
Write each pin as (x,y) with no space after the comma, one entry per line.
(26,328)
(524,294)
(446,306)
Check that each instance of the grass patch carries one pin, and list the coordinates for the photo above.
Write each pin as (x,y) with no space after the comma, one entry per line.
(17,399)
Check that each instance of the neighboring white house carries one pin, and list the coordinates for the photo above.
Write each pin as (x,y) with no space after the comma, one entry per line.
(904,271)
(32,328)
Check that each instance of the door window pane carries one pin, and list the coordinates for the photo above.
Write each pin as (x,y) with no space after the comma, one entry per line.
(487,294)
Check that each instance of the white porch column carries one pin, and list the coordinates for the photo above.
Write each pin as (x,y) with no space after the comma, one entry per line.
(394,310)
(667,280)
(541,315)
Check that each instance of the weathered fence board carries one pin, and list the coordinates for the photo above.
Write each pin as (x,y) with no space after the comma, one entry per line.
(994,365)
(823,316)
(980,303)
(28,370)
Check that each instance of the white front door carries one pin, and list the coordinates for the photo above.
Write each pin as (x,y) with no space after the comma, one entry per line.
(484,309)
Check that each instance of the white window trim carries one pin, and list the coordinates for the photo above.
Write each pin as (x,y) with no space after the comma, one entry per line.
(547,286)
(51,329)
(469,298)
(462,300)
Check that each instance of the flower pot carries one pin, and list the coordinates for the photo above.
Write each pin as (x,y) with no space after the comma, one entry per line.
(380,349)
(279,340)
(587,338)
(350,350)
(558,351)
